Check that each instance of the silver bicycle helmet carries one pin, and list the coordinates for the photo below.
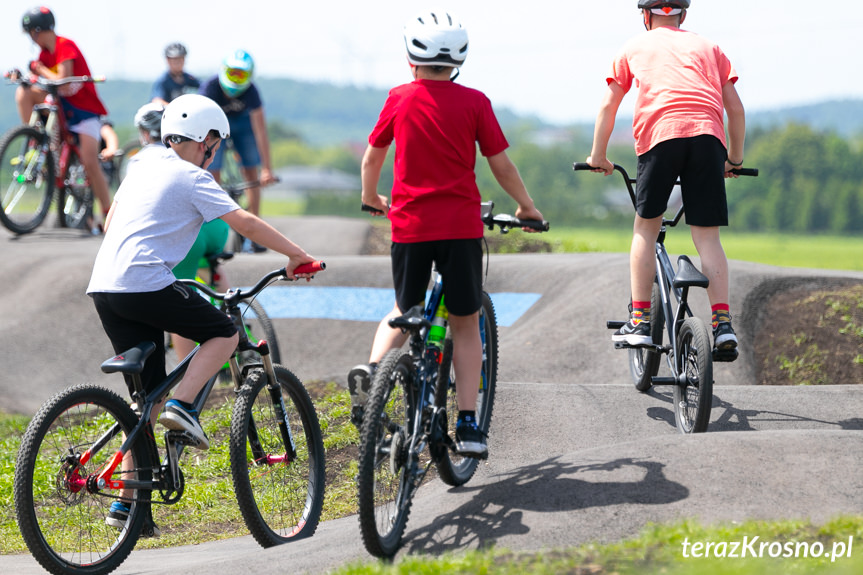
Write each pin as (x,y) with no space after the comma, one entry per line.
(175,50)
(436,38)
(149,118)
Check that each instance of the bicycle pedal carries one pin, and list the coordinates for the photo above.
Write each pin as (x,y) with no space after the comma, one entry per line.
(182,438)
(725,355)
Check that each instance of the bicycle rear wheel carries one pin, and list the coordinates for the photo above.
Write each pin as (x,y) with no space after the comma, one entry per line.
(60,513)
(644,362)
(384,482)
(693,401)
(26,179)
(280,493)
(75,199)
(454,469)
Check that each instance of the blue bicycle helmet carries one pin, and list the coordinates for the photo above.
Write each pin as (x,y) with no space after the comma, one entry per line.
(235,75)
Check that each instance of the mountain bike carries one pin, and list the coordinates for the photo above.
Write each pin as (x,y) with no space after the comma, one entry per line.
(688,353)
(411,413)
(70,464)
(257,324)
(40,157)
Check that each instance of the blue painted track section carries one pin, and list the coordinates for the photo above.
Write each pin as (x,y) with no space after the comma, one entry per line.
(366,304)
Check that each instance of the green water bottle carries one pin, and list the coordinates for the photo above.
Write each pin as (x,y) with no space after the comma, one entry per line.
(437,331)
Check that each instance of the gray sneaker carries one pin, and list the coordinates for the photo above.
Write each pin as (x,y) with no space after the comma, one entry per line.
(178,418)
(359,385)
(724,337)
(634,335)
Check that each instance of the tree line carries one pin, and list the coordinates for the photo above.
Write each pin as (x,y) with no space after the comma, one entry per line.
(810,181)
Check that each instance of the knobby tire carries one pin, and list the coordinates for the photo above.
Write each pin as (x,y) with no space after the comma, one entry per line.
(26,189)
(644,362)
(692,402)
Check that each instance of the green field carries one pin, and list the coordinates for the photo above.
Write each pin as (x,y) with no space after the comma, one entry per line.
(822,252)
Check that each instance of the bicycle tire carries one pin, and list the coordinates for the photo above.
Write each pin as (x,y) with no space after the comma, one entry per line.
(65,528)
(644,362)
(693,401)
(74,206)
(25,194)
(383,480)
(280,501)
(454,469)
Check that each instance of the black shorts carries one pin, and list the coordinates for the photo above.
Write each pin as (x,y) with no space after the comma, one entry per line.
(458,261)
(699,162)
(132,318)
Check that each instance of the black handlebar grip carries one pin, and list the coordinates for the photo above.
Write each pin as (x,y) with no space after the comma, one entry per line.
(582,166)
(541,225)
(745,171)
(371,209)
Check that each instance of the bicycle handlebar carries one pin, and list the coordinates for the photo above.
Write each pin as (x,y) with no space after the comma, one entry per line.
(584,166)
(504,221)
(16,77)
(240,295)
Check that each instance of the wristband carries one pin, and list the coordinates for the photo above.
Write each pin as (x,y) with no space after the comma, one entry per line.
(733,164)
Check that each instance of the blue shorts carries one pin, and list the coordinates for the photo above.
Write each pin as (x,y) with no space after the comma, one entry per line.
(243,140)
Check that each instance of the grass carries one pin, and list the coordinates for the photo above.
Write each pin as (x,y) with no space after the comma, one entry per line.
(787,250)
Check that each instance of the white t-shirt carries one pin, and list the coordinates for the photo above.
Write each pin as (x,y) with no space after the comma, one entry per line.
(160,207)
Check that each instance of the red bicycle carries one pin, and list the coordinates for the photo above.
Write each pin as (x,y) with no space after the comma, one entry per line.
(38,158)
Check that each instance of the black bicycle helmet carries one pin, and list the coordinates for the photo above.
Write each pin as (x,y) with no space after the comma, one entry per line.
(683,4)
(175,50)
(38,19)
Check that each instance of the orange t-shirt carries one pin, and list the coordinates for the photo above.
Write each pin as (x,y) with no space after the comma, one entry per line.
(679,77)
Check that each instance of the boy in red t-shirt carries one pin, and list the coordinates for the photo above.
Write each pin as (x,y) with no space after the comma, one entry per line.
(61,58)
(436,125)
(684,83)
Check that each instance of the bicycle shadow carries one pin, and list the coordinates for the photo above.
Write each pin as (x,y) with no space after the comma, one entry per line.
(551,486)
(734,418)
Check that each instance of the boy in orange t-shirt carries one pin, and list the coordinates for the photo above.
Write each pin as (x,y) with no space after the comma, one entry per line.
(684,83)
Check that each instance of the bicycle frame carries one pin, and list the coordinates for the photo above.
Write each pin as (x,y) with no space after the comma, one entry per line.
(56,127)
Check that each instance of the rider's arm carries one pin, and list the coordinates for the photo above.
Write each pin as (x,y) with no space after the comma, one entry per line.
(605,126)
(373,162)
(112,142)
(259,231)
(506,174)
(736,123)
(262,140)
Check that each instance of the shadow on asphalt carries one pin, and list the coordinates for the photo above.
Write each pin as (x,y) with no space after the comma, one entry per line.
(551,486)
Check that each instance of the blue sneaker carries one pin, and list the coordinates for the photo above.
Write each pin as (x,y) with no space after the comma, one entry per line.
(118,514)
(179,418)
(470,440)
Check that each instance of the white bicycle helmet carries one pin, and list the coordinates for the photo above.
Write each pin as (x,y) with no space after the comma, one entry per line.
(436,38)
(192,116)
(149,118)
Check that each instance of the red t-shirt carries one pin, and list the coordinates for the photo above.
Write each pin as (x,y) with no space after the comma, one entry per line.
(679,77)
(436,126)
(85,98)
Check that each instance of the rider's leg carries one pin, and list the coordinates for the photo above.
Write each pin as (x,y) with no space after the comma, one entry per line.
(206,363)
(253,195)
(714,263)
(466,358)
(90,159)
(642,263)
(25,99)
(387,338)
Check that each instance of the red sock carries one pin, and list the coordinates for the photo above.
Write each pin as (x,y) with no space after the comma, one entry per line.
(721,312)
(640,312)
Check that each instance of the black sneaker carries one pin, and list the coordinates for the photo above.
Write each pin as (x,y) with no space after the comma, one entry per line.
(178,418)
(634,334)
(118,514)
(359,385)
(724,337)
(470,441)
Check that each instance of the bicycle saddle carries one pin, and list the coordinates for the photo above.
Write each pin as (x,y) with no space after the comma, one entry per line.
(413,320)
(130,361)
(688,275)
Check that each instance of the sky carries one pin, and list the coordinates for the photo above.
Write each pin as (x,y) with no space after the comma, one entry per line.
(547,58)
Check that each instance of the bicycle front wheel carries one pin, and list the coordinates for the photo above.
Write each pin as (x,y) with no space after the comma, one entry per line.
(26,179)
(454,469)
(61,513)
(279,486)
(693,400)
(75,200)
(644,362)
(384,481)
(259,326)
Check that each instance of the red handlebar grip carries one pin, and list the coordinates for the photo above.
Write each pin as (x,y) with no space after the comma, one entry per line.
(310,268)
